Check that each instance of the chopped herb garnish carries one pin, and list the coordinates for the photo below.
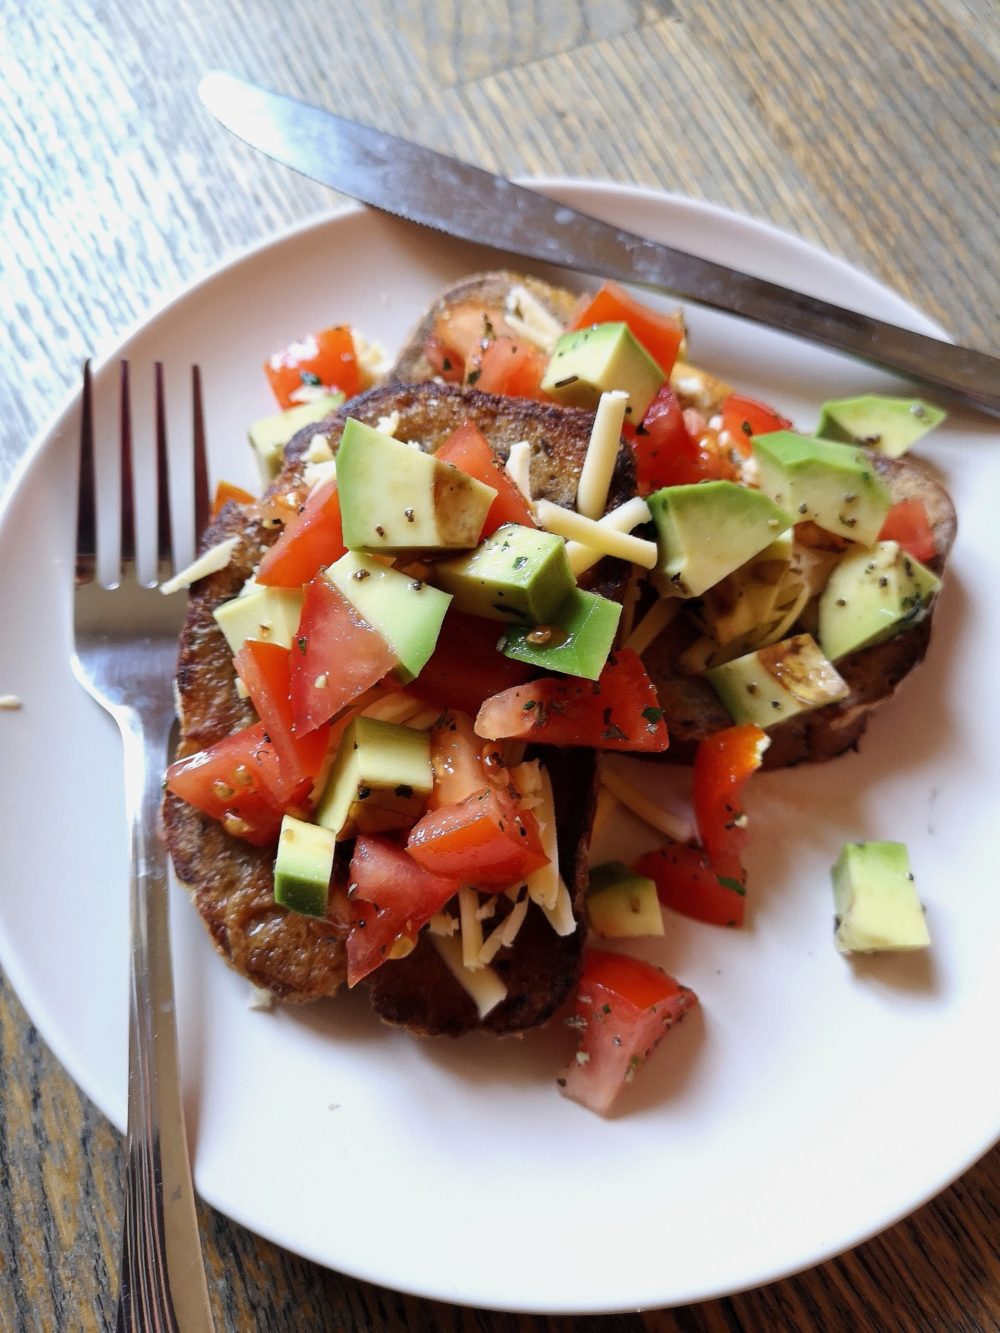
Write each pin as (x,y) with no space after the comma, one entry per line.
(728,883)
(652,714)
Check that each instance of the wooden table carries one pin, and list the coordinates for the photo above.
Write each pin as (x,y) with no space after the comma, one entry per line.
(864,127)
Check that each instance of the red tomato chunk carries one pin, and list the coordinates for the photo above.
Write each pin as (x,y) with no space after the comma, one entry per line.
(324,359)
(468,450)
(484,840)
(623,1008)
(234,781)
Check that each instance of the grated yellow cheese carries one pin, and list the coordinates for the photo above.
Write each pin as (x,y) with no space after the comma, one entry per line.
(484,987)
(623,519)
(602,452)
(566,523)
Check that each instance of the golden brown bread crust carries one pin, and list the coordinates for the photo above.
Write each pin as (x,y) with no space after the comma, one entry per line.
(231,882)
(693,709)
(491,289)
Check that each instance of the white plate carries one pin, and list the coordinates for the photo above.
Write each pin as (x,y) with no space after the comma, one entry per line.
(811,1102)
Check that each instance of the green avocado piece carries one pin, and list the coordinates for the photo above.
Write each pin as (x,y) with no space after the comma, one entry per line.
(303,867)
(621,904)
(575,641)
(518,573)
(871,595)
(269,435)
(588,362)
(875,899)
(270,614)
(405,611)
(707,530)
(380,779)
(890,425)
(394,497)
(777,682)
(831,485)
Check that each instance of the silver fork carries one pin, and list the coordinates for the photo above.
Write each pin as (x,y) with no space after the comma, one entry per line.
(124,655)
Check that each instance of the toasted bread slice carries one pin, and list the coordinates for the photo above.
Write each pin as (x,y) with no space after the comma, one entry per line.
(231,883)
(691,706)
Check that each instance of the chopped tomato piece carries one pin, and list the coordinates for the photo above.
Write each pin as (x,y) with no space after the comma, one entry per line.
(265,669)
(310,540)
(484,840)
(617,712)
(660,334)
(226,491)
(508,366)
(460,762)
(686,883)
(469,451)
(623,1008)
(463,329)
(444,360)
(235,781)
(907,523)
(391,898)
(743,418)
(465,667)
(722,764)
(665,455)
(326,359)
(335,657)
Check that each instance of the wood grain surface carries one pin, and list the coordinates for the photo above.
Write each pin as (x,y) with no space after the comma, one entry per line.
(868,128)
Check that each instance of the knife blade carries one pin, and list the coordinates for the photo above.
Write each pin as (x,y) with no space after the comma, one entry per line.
(437,191)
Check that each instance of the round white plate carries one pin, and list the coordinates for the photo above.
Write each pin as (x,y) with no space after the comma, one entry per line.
(810,1103)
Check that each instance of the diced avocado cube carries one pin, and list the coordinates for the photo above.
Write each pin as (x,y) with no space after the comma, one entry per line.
(621,904)
(407,612)
(518,573)
(890,425)
(303,867)
(705,531)
(871,595)
(576,640)
(269,435)
(269,614)
(394,497)
(831,485)
(588,362)
(876,901)
(380,779)
(777,682)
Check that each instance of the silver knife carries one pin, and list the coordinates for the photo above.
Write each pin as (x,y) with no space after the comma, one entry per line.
(462,200)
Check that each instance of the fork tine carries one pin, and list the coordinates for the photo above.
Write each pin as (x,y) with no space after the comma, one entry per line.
(127,538)
(86,526)
(164,528)
(202,501)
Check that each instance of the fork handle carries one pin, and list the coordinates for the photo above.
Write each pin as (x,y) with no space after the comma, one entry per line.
(162,1280)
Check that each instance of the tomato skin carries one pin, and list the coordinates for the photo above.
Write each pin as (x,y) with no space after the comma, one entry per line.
(483,840)
(465,667)
(391,896)
(907,523)
(686,883)
(619,711)
(444,360)
(743,418)
(665,455)
(311,540)
(336,657)
(660,334)
(234,781)
(265,669)
(467,449)
(226,491)
(722,764)
(326,358)
(509,367)
(623,1008)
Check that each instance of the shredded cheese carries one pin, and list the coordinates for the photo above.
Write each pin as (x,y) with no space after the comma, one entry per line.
(566,523)
(260,998)
(442,923)
(647,810)
(506,933)
(318,474)
(533,780)
(602,453)
(518,467)
(526,316)
(484,987)
(215,558)
(318,449)
(623,519)
(371,357)
(652,625)
(561,917)
(10,703)
(388,425)
(472,928)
